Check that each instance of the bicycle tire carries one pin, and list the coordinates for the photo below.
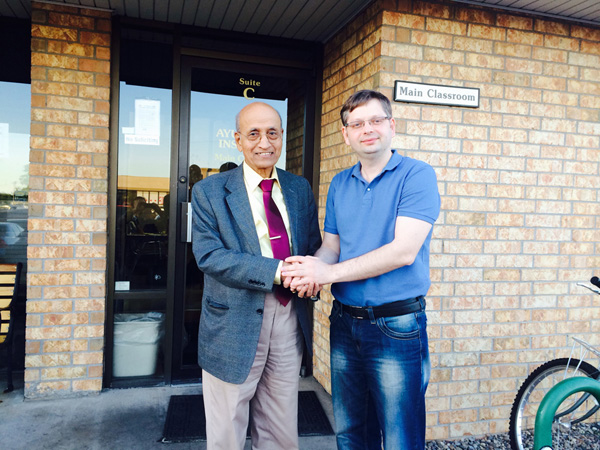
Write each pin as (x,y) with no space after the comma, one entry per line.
(522,414)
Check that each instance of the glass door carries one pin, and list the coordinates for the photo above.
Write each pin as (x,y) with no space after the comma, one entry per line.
(137,349)
(141,234)
(213,92)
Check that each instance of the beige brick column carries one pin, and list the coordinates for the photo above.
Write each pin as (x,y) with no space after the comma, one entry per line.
(67,247)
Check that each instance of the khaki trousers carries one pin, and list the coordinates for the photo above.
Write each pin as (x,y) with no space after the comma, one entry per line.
(270,392)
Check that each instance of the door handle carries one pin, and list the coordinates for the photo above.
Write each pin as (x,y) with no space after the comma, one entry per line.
(185,221)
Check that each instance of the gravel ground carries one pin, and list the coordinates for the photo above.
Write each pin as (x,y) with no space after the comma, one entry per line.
(587,437)
(491,442)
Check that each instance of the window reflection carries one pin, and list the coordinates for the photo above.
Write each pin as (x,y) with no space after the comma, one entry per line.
(15,116)
(143,188)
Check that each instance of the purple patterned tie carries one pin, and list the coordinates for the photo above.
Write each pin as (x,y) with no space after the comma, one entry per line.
(277,234)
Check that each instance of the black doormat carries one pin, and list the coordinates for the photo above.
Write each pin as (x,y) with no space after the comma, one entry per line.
(186,421)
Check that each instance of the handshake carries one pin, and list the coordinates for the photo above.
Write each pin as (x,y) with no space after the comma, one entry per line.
(304,275)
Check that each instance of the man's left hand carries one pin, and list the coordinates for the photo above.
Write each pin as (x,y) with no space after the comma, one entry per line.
(306,289)
(304,270)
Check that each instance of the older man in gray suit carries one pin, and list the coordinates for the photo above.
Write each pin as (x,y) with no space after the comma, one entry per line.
(252,330)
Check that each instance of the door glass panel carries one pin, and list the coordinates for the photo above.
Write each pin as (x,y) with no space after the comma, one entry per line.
(142,229)
(216,98)
(143,188)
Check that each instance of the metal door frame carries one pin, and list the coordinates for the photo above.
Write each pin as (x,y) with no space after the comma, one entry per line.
(184,60)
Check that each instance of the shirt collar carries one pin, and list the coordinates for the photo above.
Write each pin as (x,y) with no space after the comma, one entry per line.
(253,179)
(391,164)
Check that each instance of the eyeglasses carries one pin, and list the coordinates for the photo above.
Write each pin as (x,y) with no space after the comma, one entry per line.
(254,136)
(374,122)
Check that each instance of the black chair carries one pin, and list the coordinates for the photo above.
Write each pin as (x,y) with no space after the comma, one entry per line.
(10,275)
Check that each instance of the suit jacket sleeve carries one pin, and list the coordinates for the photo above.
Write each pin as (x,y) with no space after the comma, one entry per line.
(221,250)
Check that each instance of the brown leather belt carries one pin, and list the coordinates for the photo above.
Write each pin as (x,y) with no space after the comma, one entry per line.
(398,308)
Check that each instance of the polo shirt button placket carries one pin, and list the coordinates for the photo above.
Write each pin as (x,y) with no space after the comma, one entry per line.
(368,198)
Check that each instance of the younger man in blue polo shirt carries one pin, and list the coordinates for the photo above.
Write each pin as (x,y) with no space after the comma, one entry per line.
(375,251)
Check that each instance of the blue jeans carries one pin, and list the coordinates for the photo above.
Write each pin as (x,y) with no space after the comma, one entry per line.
(379,374)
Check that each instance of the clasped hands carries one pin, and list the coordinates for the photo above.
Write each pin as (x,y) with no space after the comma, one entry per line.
(304,275)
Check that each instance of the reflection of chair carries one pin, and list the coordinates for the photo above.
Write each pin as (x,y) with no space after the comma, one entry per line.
(9,287)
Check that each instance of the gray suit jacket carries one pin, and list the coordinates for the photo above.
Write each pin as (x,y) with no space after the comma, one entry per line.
(236,275)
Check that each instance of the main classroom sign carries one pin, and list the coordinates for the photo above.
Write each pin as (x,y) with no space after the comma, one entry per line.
(406,91)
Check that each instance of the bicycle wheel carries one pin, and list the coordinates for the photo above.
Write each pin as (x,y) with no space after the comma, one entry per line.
(571,415)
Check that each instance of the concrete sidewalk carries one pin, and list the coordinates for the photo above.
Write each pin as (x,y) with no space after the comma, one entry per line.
(114,419)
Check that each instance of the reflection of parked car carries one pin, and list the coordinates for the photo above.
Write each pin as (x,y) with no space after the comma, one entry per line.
(10,232)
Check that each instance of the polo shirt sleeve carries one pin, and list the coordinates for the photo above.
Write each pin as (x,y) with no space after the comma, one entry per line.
(330,225)
(420,197)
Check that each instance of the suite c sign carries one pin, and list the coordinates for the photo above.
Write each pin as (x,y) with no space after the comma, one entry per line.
(406,91)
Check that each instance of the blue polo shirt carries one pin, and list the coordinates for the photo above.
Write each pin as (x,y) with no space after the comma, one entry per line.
(364,216)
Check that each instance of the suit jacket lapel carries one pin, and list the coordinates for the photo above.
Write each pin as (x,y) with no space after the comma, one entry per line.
(239,205)
(291,201)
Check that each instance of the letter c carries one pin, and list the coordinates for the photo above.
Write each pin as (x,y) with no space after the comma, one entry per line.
(246,93)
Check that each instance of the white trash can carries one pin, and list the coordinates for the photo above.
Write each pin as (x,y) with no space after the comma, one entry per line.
(136,340)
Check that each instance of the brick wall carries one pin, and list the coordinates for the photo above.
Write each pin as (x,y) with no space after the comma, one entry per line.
(519,184)
(67,200)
